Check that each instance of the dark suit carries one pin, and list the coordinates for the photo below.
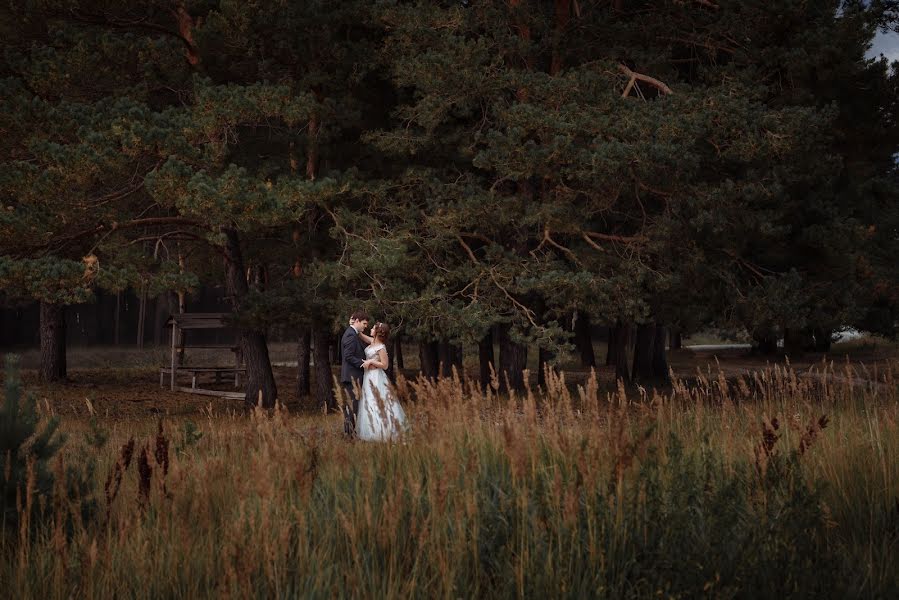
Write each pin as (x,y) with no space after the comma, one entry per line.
(351,366)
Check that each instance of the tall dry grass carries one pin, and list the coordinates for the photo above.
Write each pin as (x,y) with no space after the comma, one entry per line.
(766,486)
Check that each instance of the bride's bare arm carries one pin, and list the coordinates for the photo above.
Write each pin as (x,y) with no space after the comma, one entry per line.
(368,340)
(381,362)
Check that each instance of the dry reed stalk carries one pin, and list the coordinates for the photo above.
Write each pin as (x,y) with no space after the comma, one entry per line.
(765,449)
(60,513)
(811,433)
(145,473)
(161,454)
(24,512)
(114,480)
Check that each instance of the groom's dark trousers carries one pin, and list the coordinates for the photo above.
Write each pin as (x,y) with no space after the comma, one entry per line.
(351,366)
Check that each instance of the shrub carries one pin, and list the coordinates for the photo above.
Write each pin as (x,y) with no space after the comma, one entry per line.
(26,449)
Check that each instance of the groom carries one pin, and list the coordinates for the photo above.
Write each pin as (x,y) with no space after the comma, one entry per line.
(351,368)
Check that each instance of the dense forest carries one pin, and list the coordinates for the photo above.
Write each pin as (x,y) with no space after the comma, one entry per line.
(476,173)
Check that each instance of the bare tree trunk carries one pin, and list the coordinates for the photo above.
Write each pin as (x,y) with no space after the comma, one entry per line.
(160,307)
(643,351)
(118,318)
(304,352)
(429,359)
(513,360)
(823,339)
(449,356)
(182,307)
(186,25)
(677,341)
(611,346)
(660,354)
(336,349)
(563,14)
(53,342)
(260,378)
(623,345)
(142,315)
(312,147)
(324,388)
(794,341)
(765,345)
(398,352)
(583,340)
(544,361)
(485,359)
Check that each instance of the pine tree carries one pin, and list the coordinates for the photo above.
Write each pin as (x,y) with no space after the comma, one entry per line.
(78,138)
(666,163)
(28,448)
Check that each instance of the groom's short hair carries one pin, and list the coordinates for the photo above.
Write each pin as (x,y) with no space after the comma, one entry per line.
(359,315)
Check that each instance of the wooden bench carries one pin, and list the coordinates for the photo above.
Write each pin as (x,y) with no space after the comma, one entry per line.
(197,371)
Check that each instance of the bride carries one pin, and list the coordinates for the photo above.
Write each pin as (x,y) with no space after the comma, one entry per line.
(380,416)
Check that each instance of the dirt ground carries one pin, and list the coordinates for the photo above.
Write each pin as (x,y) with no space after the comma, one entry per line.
(123,384)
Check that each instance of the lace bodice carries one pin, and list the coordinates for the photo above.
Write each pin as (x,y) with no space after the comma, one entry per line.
(372,351)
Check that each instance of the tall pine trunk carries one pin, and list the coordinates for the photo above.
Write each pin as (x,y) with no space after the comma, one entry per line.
(660,354)
(336,348)
(643,351)
(142,316)
(583,340)
(118,318)
(449,356)
(398,353)
(623,338)
(485,359)
(304,352)
(53,342)
(513,360)
(822,339)
(253,348)
(324,388)
(611,346)
(795,342)
(544,362)
(677,341)
(563,15)
(765,344)
(429,359)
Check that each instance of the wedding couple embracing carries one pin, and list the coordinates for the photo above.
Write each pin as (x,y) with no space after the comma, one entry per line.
(374,414)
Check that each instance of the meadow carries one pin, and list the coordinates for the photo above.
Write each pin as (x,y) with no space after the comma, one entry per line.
(752,486)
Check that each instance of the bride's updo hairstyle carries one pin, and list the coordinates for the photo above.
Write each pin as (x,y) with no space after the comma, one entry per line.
(382,332)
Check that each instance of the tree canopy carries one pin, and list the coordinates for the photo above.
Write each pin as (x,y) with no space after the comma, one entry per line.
(464,169)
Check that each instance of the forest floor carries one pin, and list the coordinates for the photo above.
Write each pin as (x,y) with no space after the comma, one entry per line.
(123,383)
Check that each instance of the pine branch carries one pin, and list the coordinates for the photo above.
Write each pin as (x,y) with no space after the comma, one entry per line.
(467,249)
(114,226)
(524,309)
(624,239)
(547,239)
(633,77)
(141,24)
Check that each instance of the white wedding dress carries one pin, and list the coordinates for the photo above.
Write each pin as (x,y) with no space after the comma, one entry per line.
(380,417)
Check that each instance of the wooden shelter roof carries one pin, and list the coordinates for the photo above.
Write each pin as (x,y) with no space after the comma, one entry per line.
(201,320)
